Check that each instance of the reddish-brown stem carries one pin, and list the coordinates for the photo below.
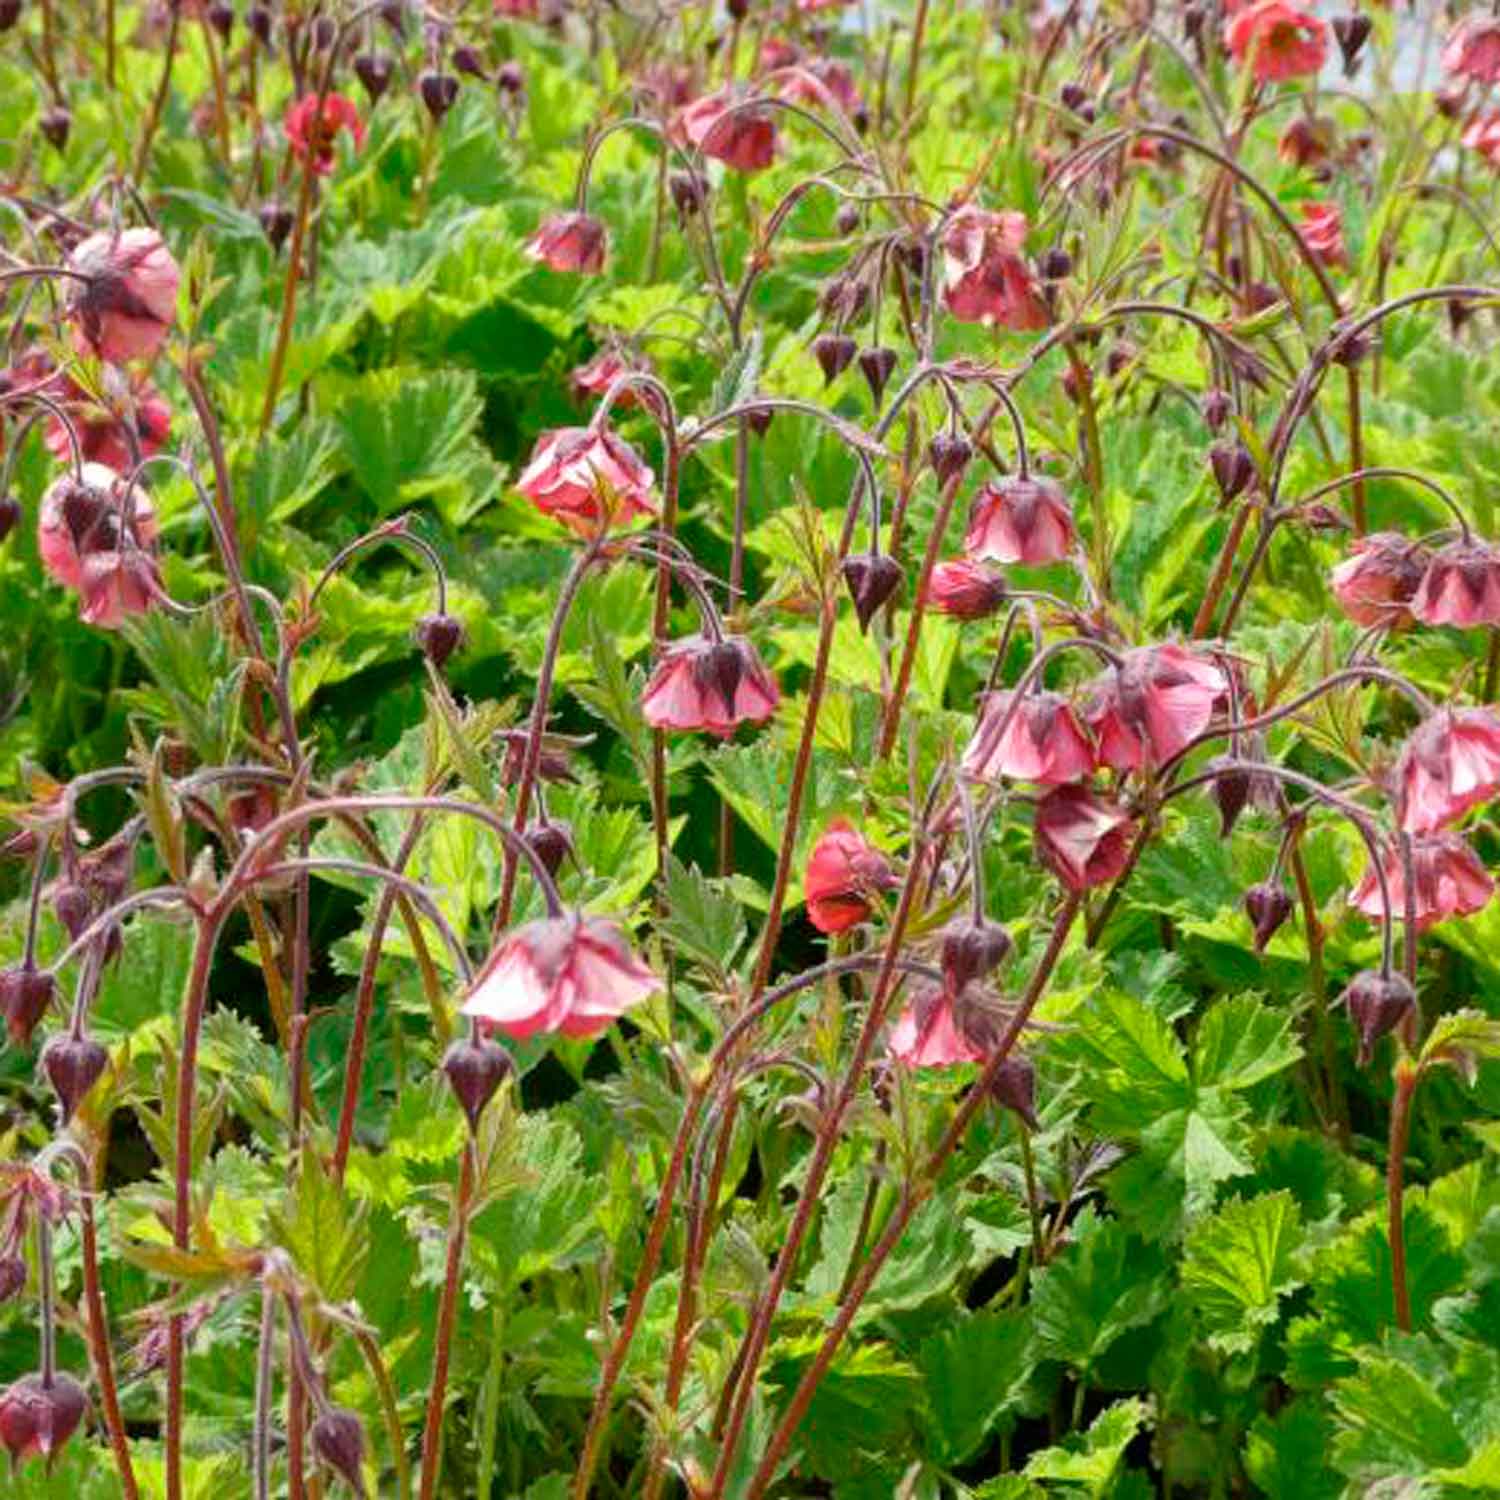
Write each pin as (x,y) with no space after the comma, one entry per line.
(288,299)
(1312,928)
(159,99)
(458,1226)
(1356,450)
(1208,606)
(659,624)
(98,1338)
(1395,1183)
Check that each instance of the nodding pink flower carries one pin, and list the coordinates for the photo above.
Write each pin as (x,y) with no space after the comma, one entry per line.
(777,52)
(518,10)
(1153,705)
(1482,134)
(1043,742)
(1460,587)
(1019,520)
(966,590)
(77,519)
(1375,584)
(1278,40)
(985,275)
(844,871)
(588,478)
(1081,837)
(38,1414)
(1473,49)
(1447,876)
(1450,764)
(930,1032)
(703,684)
(596,376)
(569,242)
(116,585)
(1322,231)
(1306,141)
(312,127)
(821,81)
(730,126)
(127,304)
(572,974)
(104,433)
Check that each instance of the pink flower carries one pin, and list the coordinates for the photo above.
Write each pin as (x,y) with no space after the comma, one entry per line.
(116,585)
(1279,41)
(843,871)
(517,10)
(729,126)
(1019,520)
(1460,587)
(1080,836)
(1450,764)
(39,1414)
(570,242)
(702,684)
(1473,49)
(571,974)
(822,82)
(1447,876)
(596,376)
(1483,135)
(128,302)
(928,1034)
(1306,141)
(104,432)
(588,478)
(312,125)
(1043,742)
(1322,231)
(966,590)
(1153,705)
(1376,582)
(78,519)
(985,275)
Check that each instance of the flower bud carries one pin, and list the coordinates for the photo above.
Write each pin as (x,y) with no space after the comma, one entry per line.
(25,994)
(759,420)
(876,365)
(338,1438)
(1014,1087)
(552,843)
(260,22)
(276,220)
(1268,905)
(10,515)
(970,949)
(466,60)
(511,78)
(438,91)
(833,351)
(325,33)
(689,193)
(439,636)
(38,1416)
(475,1070)
(393,13)
(1377,1003)
(72,907)
(1233,467)
(846,221)
(1351,349)
(1217,407)
(73,1065)
(1056,264)
(949,454)
(1073,96)
(871,578)
(10,13)
(56,124)
(374,69)
(220,16)
(12,1276)
(1351,32)
(738,9)
(1459,313)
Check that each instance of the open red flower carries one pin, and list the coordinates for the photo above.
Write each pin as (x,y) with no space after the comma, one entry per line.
(730,126)
(1450,764)
(128,301)
(1155,703)
(1081,837)
(1473,49)
(312,128)
(985,275)
(1447,876)
(843,871)
(117,584)
(571,974)
(929,1034)
(1322,231)
(588,477)
(1019,520)
(1375,584)
(1042,742)
(703,684)
(104,432)
(1460,587)
(966,590)
(570,242)
(1278,40)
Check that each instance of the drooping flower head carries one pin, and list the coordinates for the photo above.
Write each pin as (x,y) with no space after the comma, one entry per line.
(1375,584)
(1017,520)
(571,974)
(1460,587)
(1042,740)
(1306,141)
(844,871)
(1482,134)
(104,432)
(588,478)
(1447,877)
(1156,702)
(821,81)
(986,278)
(313,124)
(1322,231)
(1278,40)
(713,685)
(930,1032)
(39,1414)
(1473,49)
(569,242)
(1378,1004)
(127,303)
(595,377)
(729,126)
(92,514)
(1450,764)
(966,590)
(1081,837)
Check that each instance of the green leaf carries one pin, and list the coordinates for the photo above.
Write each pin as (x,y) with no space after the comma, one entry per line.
(1241,1042)
(705,921)
(1091,1459)
(973,1372)
(1287,1456)
(1238,1265)
(1461,1041)
(322,1231)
